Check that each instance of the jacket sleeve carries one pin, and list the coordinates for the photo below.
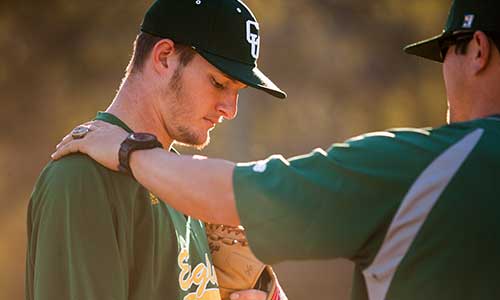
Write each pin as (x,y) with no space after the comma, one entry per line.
(74,251)
(327,204)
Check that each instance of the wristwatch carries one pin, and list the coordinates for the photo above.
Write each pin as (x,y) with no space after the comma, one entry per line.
(133,142)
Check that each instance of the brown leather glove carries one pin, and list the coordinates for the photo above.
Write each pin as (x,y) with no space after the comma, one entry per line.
(236,266)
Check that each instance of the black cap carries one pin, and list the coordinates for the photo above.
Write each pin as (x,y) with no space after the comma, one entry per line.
(465,15)
(224,32)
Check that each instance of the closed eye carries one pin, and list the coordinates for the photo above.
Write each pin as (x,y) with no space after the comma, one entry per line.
(217,84)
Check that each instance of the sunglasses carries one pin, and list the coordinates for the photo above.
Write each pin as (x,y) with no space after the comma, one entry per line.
(456,38)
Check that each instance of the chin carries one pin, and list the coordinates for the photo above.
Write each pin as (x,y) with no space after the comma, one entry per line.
(191,139)
(203,145)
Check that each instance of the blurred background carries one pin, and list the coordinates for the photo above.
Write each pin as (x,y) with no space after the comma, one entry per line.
(339,60)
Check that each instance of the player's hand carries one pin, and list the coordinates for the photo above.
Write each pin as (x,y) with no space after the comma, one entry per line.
(102,143)
(249,295)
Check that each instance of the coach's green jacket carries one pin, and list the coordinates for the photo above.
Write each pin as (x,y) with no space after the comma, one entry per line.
(95,234)
(416,210)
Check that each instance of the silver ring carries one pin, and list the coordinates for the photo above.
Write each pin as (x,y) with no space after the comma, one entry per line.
(80,132)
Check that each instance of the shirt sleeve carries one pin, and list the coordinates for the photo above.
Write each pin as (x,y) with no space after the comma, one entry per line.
(73,247)
(327,204)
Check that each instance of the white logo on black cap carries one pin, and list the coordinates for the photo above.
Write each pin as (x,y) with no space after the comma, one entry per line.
(253,37)
(260,166)
(468,21)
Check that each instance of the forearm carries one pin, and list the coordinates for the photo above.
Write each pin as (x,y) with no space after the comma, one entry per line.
(201,188)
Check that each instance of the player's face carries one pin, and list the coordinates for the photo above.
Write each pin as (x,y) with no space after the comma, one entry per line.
(197,98)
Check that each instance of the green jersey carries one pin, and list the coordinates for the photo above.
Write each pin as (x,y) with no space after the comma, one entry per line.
(98,234)
(416,210)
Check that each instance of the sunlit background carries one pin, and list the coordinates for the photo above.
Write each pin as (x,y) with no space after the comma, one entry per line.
(339,60)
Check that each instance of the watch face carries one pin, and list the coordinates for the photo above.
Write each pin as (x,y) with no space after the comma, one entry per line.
(142,137)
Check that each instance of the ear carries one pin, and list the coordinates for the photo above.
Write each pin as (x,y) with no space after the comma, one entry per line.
(162,56)
(480,48)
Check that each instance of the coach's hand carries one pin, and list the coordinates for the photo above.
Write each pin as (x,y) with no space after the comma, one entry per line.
(249,295)
(101,142)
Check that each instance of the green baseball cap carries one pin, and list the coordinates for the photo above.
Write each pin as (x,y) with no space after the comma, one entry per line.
(224,32)
(464,16)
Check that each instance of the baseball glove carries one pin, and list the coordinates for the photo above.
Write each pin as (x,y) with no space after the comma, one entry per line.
(236,266)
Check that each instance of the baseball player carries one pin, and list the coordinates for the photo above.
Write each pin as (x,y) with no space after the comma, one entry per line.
(97,234)
(416,210)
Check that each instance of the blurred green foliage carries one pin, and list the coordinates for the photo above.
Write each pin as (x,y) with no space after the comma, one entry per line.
(339,60)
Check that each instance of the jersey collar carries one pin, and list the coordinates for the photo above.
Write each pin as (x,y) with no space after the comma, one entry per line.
(112,119)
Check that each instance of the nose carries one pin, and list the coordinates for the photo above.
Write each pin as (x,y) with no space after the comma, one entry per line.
(228,106)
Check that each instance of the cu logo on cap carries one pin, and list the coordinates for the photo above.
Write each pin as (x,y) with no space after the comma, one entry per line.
(253,37)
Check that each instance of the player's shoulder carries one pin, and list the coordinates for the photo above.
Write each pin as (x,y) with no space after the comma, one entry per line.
(73,167)
(77,172)
(77,183)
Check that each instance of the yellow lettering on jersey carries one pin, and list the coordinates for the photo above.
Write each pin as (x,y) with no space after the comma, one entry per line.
(200,276)
(183,256)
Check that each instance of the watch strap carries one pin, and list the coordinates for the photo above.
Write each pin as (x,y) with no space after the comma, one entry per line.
(130,145)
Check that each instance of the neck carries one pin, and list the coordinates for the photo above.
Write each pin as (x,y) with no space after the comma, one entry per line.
(479,109)
(484,93)
(485,110)
(133,104)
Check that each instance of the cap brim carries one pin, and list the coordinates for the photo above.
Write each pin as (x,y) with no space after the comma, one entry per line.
(428,48)
(244,73)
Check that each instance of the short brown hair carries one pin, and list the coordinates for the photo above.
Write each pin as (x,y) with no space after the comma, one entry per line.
(144,44)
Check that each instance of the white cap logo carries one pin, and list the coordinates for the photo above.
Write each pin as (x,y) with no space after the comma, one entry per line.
(468,21)
(253,37)
(260,166)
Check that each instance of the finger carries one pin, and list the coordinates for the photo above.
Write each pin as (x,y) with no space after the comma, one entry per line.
(98,123)
(71,147)
(69,136)
(93,125)
(64,141)
(249,295)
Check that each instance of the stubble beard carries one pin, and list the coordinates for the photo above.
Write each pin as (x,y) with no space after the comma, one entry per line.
(183,135)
